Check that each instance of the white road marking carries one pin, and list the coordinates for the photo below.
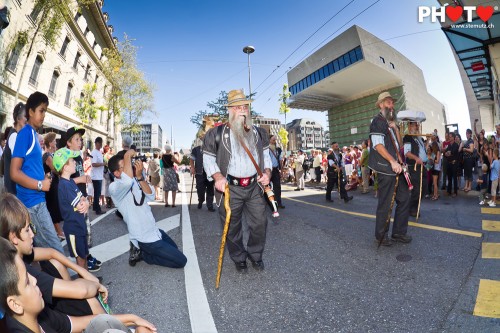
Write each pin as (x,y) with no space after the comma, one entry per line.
(199,310)
(118,246)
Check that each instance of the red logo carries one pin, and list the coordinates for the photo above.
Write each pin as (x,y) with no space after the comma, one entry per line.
(245,182)
(454,13)
(484,13)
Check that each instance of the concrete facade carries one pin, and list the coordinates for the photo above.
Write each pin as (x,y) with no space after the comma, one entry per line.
(149,139)
(61,72)
(306,134)
(349,93)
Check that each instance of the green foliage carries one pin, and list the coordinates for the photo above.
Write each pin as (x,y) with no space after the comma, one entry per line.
(86,109)
(217,109)
(131,95)
(284,109)
(185,160)
(283,135)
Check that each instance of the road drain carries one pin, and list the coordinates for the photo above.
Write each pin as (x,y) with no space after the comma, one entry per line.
(403,257)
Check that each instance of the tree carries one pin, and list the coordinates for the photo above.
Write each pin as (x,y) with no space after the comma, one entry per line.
(185,160)
(131,95)
(217,110)
(48,17)
(284,109)
(85,108)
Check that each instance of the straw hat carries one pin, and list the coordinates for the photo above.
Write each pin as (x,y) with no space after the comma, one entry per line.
(237,97)
(383,96)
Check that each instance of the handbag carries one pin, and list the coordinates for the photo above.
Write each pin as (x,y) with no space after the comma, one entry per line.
(177,177)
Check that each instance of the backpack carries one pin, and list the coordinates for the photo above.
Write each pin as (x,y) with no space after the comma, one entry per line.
(307,164)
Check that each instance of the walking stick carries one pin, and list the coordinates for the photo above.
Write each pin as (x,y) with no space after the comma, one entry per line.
(390,211)
(191,196)
(224,235)
(339,181)
(420,195)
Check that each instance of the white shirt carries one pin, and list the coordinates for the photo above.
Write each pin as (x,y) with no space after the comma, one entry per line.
(140,221)
(97,173)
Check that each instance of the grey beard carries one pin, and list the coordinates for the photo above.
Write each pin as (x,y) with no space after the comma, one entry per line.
(237,127)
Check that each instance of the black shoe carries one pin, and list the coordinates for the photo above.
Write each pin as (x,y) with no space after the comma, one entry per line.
(385,242)
(258,265)
(241,266)
(134,255)
(329,200)
(117,213)
(401,238)
(346,200)
(297,189)
(414,214)
(281,206)
(211,209)
(100,212)
(200,204)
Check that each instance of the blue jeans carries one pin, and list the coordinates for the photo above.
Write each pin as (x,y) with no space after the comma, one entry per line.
(163,252)
(45,235)
(97,184)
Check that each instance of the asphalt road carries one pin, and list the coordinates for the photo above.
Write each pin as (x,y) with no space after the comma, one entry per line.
(323,272)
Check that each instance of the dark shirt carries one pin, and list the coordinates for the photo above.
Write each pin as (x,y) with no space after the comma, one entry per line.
(69,197)
(80,172)
(50,320)
(197,157)
(453,148)
(167,161)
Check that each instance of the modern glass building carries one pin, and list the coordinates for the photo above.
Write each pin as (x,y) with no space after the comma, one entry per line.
(344,78)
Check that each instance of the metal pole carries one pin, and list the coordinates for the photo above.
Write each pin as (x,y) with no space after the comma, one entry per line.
(248,50)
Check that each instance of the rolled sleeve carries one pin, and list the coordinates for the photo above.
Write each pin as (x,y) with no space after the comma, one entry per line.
(377,139)
(268,164)
(210,166)
(407,148)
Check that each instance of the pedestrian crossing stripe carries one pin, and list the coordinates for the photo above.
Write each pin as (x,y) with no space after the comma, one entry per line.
(413,224)
(490,250)
(488,299)
(491,225)
(495,211)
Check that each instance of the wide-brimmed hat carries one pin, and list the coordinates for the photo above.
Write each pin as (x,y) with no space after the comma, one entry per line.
(383,96)
(237,97)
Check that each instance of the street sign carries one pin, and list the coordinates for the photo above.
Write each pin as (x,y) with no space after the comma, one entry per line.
(477,66)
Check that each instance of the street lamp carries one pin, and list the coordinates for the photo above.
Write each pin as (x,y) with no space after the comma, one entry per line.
(249,49)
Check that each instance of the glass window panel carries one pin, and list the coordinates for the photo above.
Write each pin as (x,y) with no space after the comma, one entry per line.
(330,68)
(341,62)
(336,66)
(321,74)
(347,60)
(308,79)
(316,76)
(352,56)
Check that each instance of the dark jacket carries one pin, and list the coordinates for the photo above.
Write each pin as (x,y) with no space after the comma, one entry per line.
(376,162)
(222,150)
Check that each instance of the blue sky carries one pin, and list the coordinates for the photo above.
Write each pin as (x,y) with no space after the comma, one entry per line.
(192,49)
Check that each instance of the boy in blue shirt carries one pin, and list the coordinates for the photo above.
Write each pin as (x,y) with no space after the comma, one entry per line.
(73,206)
(26,170)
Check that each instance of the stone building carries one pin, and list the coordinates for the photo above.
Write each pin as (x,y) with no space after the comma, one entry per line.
(59,72)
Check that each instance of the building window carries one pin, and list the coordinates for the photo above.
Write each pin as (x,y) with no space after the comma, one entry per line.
(382,60)
(96,78)
(94,45)
(36,11)
(77,16)
(64,47)
(14,58)
(392,65)
(87,71)
(35,71)
(86,32)
(77,59)
(68,95)
(53,84)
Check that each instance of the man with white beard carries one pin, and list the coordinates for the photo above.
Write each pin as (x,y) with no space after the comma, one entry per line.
(226,161)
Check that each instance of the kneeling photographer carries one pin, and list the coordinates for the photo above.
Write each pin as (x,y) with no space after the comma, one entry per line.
(131,193)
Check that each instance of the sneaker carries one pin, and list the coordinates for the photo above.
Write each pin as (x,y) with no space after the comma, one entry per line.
(92,260)
(492,204)
(134,255)
(482,202)
(93,267)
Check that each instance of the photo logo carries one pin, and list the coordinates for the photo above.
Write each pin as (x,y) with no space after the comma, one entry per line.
(454,13)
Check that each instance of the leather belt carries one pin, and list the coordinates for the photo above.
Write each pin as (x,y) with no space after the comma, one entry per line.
(243,182)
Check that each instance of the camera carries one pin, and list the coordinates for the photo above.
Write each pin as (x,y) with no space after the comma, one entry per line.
(141,158)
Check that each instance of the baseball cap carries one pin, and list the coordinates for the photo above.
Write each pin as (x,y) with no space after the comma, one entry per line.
(62,156)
